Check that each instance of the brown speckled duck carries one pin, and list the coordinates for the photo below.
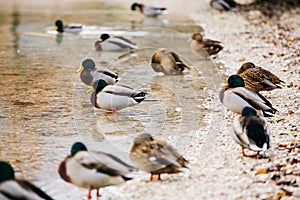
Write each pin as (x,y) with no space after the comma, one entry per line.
(258,79)
(93,169)
(197,42)
(155,156)
(235,96)
(167,62)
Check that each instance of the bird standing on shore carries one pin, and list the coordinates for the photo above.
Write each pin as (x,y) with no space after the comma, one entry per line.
(235,96)
(156,156)
(258,79)
(251,132)
(149,11)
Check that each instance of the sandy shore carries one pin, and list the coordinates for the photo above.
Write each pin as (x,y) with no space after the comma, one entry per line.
(222,173)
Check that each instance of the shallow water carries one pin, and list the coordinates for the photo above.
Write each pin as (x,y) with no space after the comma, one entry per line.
(44,108)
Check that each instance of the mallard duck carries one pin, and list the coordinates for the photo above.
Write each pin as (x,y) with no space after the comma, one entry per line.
(89,74)
(258,79)
(235,97)
(93,169)
(116,43)
(155,156)
(167,62)
(73,28)
(114,97)
(223,4)
(149,11)
(197,42)
(12,188)
(251,131)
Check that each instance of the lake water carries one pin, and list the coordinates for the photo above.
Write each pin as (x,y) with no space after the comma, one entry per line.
(44,107)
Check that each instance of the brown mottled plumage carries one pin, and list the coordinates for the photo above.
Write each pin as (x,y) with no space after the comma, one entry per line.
(197,42)
(155,156)
(167,62)
(258,79)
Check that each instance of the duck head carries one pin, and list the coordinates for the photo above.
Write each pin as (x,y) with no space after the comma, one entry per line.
(249,111)
(87,64)
(235,81)
(76,147)
(59,26)
(104,37)
(7,172)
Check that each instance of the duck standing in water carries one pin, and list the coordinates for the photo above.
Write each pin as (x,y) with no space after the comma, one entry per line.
(167,62)
(156,156)
(197,42)
(149,11)
(93,169)
(17,189)
(235,96)
(251,132)
(114,97)
(257,78)
(116,43)
(89,74)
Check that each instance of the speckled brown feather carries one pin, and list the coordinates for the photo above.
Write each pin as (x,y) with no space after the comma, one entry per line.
(156,156)
(167,62)
(257,78)
(212,47)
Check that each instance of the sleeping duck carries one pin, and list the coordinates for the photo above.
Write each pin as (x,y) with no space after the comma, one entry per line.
(235,96)
(71,28)
(197,42)
(251,131)
(156,156)
(149,11)
(168,62)
(89,74)
(224,5)
(93,169)
(258,79)
(114,97)
(116,43)
(12,188)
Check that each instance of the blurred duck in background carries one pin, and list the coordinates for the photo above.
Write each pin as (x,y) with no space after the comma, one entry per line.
(149,11)
(116,43)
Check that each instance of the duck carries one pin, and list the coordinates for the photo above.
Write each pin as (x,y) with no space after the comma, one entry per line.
(12,188)
(167,62)
(235,96)
(93,169)
(156,156)
(197,42)
(149,11)
(71,28)
(114,97)
(89,74)
(257,78)
(224,5)
(116,43)
(251,131)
